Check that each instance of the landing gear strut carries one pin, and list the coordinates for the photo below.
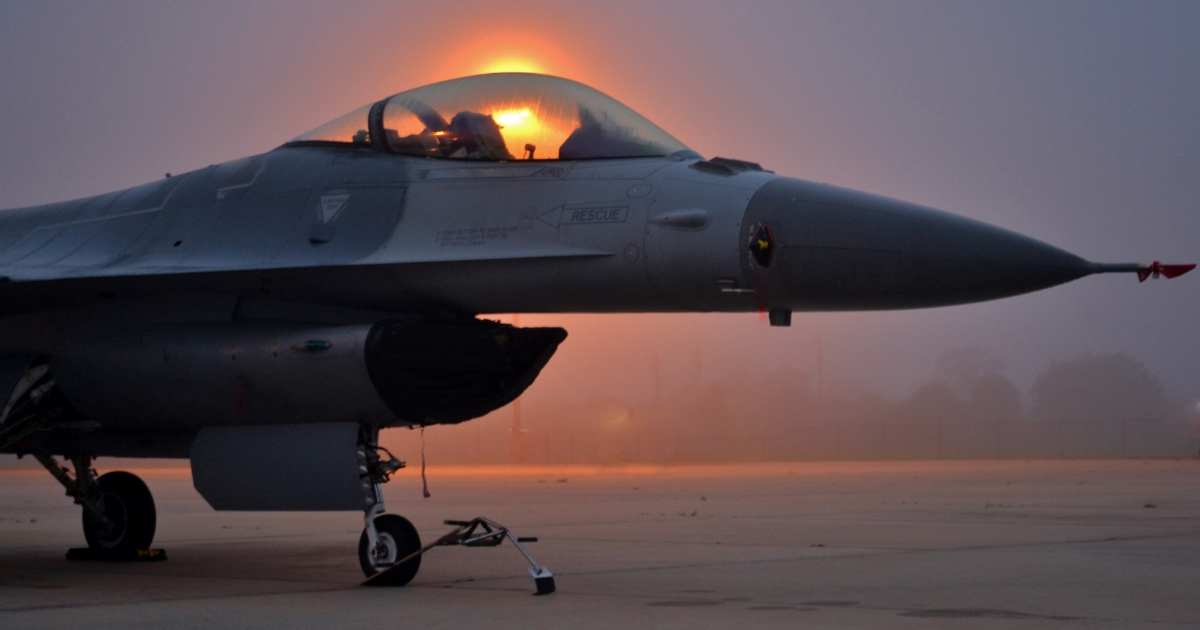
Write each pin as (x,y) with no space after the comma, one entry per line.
(386,538)
(390,550)
(118,510)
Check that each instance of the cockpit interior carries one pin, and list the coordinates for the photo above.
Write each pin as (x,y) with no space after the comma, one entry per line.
(499,117)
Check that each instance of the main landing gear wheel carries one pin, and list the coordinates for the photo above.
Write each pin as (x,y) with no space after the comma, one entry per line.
(397,539)
(130,507)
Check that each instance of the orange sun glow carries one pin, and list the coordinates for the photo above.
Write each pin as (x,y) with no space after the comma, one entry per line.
(507,52)
(509,64)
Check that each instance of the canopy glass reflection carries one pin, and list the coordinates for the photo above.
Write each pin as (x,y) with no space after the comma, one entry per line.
(509,116)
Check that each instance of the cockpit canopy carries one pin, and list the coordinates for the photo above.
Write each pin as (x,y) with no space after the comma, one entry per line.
(509,116)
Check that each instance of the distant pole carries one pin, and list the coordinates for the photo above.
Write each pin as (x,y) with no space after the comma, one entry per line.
(820,369)
(657,382)
(637,436)
(518,452)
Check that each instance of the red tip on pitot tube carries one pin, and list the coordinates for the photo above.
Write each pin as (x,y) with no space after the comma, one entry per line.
(1157,269)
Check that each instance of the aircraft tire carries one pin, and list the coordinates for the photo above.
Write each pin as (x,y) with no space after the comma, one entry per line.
(401,539)
(128,502)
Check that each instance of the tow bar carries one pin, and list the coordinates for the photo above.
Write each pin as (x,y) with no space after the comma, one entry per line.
(479,532)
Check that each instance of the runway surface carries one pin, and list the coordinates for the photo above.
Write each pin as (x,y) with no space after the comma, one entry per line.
(1078,544)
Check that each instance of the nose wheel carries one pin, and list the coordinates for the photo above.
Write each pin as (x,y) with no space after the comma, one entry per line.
(396,539)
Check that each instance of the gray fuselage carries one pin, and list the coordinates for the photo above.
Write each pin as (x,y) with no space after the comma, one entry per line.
(189,301)
(357,229)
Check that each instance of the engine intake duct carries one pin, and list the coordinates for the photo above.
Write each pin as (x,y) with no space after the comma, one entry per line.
(445,372)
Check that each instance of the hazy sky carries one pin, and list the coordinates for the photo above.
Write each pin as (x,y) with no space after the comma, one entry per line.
(1077,123)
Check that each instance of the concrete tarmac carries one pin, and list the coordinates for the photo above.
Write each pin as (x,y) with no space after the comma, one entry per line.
(980,544)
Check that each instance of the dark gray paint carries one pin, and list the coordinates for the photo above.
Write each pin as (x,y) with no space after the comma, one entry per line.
(286,467)
(844,250)
(391,246)
(182,376)
(12,366)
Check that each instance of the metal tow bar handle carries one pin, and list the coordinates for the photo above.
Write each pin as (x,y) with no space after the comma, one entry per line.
(482,532)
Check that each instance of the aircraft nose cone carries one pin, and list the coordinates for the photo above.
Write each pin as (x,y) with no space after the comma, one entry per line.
(816,247)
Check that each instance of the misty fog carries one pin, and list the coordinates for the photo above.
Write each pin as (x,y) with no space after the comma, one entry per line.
(1091,406)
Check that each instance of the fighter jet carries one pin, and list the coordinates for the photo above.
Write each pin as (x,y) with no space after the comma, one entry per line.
(267,317)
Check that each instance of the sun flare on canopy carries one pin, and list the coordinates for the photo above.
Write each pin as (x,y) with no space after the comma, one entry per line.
(501,117)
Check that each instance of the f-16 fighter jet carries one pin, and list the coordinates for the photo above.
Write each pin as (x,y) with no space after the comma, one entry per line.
(267,317)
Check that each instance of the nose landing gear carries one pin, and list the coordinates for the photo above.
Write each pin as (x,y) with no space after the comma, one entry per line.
(390,550)
(386,538)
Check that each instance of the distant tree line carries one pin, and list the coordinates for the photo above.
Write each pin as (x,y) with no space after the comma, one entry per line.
(1092,406)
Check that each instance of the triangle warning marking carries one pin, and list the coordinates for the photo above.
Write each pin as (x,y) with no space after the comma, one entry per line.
(331,205)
